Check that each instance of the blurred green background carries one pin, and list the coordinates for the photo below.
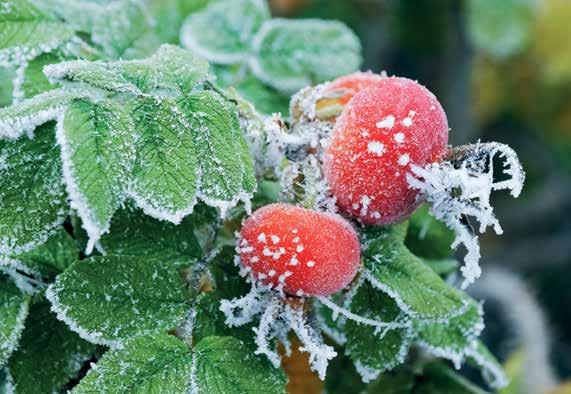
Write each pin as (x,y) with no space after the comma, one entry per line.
(502,70)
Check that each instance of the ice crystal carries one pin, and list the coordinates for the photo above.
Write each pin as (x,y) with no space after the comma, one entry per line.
(461,187)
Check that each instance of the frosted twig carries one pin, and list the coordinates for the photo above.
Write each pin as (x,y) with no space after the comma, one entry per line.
(263,332)
(319,353)
(240,311)
(360,319)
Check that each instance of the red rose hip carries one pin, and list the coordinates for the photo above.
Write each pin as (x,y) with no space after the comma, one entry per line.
(309,252)
(382,131)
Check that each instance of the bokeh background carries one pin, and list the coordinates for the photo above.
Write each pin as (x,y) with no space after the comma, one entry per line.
(502,70)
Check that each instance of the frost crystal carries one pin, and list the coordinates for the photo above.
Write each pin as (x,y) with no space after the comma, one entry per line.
(319,353)
(24,117)
(277,317)
(77,200)
(461,187)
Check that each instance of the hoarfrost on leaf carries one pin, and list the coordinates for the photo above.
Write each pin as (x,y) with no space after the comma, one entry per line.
(28,32)
(453,339)
(153,363)
(226,175)
(166,173)
(461,187)
(290,54)
(32,194)
(26,116)
(169,71)
(47,341)
(223,31)
(107,300)
(97,149)
(491,369)
(416,288)
(123,29)
(375,348)
(14,306)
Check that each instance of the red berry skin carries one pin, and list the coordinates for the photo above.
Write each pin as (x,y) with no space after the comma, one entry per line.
(311,253)
(339,92)
(347,86)
(381,132)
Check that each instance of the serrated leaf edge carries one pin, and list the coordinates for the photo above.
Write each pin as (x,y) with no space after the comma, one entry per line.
(13,342)
(15,127)
(76,199)
(61,314)
(492,373)
(407,308)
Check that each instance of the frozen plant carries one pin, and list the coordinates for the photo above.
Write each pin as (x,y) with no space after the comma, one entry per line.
(180,229)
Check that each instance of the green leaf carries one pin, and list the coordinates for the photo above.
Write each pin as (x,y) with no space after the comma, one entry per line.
(107,300)
(50,258)
(79,15)
(151,364)
(26,32)
(32,197)
(223,31)
(173,67)
(122,30)
(98,74)
(438,378)
(292,54)
(265,98)
(7,75)
(170,14)
(226,365)
(375,350)
(35,81)
(451,339)
(23,118)
(49,355)
(428,237)
(166,175)
(501,29)
(416,288)
(13,312)
(162,363)
(133,233)
(442,267)
(492,371)
(98,149)
(227,170)
(170,68)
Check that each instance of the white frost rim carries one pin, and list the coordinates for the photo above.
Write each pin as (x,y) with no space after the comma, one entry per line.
(61,314)
(77,200)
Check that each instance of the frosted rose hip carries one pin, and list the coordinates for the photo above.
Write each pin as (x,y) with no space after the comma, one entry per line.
(311,253)
(382,131)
